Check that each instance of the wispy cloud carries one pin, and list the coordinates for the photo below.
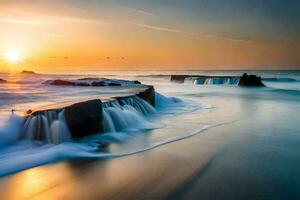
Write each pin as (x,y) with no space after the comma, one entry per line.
(140,11)
(178,31)
(161,28)
(25,21)
(49,20)
(82,20)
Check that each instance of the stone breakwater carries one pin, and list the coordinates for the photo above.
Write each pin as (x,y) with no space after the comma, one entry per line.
(62,122)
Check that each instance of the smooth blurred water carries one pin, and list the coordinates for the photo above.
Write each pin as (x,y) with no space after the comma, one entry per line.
(182,111)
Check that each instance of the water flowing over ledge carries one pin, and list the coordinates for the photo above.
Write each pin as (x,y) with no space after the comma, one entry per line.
(245,80)
(206,80)
(77,120)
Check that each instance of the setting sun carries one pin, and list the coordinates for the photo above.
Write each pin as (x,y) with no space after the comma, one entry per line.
(13,56)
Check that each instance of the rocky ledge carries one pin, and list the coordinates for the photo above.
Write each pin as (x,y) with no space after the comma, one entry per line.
(245,80)
(95,82)
(85,117)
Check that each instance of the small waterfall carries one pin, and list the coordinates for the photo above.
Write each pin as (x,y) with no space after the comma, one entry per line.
(213,80)
(127,114)
(59,130)
(47,126)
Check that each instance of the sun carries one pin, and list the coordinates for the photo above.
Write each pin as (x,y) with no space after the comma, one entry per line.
(13,56)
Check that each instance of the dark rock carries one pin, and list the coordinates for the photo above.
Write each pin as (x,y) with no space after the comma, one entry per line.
(250,81)
(84,118)
(148,95)
(82,84)
(114,84)
(137,82)
(179,78)
(2,80)
(27,72)
(61,82)
(87,79)
(98,83)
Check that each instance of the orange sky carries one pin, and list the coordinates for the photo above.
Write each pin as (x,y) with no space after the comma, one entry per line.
(110,36)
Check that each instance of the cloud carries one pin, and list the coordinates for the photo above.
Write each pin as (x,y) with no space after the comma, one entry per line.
(49,20)
(25,21)
(82,20)
(140,11)
(178,31)
(161,28)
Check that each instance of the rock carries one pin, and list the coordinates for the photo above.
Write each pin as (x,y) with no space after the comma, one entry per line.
(148,95)
(179,78)
(114,84)
(84,118)
(250,81)
(137,82)
(27,72)
(61,82)
(82,84)
(2,80)
(87,79)
(98,83)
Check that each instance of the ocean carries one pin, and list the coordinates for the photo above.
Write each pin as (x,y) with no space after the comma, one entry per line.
(251,135)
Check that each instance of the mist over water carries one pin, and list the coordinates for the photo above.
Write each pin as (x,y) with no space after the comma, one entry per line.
(135,126)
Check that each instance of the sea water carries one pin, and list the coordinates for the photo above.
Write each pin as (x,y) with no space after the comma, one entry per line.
(182,111)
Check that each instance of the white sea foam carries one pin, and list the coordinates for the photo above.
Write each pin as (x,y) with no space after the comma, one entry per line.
(20,160)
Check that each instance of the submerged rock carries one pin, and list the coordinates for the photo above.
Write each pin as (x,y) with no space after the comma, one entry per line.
(84,118)
(250,81)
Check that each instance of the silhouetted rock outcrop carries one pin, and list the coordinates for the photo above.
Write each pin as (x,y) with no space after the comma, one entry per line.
(84,118)
(250,81)
(27,72)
